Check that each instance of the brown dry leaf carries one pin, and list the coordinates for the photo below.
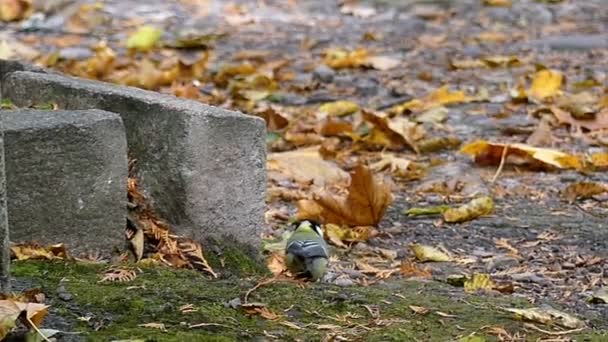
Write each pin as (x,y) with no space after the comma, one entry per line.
(394,133)
(542,135)
(549,316)
(367,200)
(159,326)
(599,122)
(546,83)
(420,310)
(493,37)
(192,251)
(583,190)
(274,119)
(396,165)
(372,270)
(411,269)
(428,253)
(11,10)
(276,263)
(477,207)
(334,128)
(34,251)
(582,106)
(11,310)
(306,165)
(261,310)
(485,152)
(118,274)
(479,282)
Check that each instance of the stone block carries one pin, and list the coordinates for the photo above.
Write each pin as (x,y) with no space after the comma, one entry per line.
(5,254)
(202,167)
(66,176)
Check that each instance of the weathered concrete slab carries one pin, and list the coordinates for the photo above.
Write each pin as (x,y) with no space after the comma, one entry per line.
(203,167)
(5,254)
(66,175)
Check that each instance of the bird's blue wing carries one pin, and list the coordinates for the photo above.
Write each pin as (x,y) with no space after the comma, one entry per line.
(307,249)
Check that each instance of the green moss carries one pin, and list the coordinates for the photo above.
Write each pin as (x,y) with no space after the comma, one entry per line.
(234,259)
(157,294)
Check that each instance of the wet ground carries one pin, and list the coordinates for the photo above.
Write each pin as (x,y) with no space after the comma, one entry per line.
(550,250)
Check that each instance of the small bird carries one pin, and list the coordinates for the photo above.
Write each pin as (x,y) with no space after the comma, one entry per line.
(306,253)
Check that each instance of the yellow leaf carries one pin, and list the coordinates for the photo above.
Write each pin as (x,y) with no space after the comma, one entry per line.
(443,96)
(10,311)
(337,234)
(497,3)
(367,200)
(599,159)
(306,165)
(394,133)
(478,282)
(144,39)
(549,316)
(428,253)
(546,83)
(485,152)
(342,59)
(477,207)
(338,108)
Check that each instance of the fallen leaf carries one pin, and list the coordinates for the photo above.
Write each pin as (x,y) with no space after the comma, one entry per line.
(383,63)
(367,200)
(583,190)
(159,326)
(337,234)
(411,269)
(485,152)
(548,316)
(306,165)
(11,10)
(444,96)
(479,282)
(497,3)
(599,122)
(440,209)
(396,165)
(546,83)
(600,296)
(276,263)
(429,253)
(394,133)
(118,274)
(337,108)
(599,160)
(477,207)
(338,58)
(11,310)
(144,39)
(420,310)
(34,251)
(433,115)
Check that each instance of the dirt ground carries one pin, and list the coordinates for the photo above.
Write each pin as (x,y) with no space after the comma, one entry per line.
(547,249)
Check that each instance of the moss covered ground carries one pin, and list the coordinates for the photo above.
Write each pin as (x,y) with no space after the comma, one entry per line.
(381,312)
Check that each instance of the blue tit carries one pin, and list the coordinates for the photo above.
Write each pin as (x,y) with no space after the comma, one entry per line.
(306,253)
